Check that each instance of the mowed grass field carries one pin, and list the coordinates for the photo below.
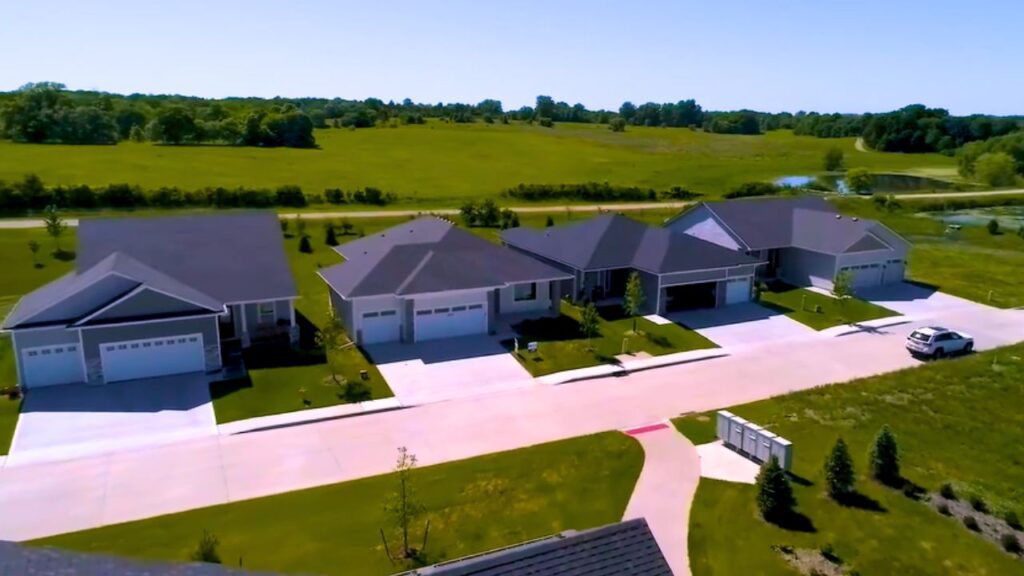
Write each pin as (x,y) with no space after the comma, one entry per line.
(441,164)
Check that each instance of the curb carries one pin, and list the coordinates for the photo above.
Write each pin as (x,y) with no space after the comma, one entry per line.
(625,370)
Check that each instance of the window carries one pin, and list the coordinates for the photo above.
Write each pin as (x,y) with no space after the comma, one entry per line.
(524,292)
(388,313)
(476,306)
(371,314)
(440,310)
(265,312)
(458,308)
(424,312)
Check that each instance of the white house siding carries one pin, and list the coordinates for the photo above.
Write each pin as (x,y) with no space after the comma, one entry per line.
(805,268)
(509,305)
(42,337)
(93,337)
(700,223)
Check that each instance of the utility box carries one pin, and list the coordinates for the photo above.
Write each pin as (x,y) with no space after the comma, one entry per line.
(737,430)
(765,439)
(752,433)
(722,424)
(782,449)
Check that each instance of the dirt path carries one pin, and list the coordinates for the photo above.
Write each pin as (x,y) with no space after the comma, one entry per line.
(22,223)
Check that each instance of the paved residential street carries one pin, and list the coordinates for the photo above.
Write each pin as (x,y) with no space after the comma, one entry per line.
(45,499)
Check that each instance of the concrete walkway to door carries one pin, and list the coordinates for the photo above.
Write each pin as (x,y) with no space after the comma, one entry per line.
(665,490)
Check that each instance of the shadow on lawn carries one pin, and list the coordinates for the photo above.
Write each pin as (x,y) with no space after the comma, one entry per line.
(795,521)
(549,329)
(861,501)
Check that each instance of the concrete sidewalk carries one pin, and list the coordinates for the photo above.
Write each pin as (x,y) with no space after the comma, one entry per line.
(665,491)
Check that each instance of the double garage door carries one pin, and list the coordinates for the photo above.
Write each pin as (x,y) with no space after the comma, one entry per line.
(132,359)
(865,275)
(125,360)
(449,321)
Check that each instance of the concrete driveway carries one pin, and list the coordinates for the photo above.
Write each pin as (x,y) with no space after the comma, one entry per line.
(58,422)
(446,369)
(917,300)
(743,325)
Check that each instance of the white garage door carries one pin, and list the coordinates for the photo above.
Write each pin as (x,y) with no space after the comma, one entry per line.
(894,271)
(737,290)
(865,275)
(50,365)
(380,326)
(449,321)
(153,357)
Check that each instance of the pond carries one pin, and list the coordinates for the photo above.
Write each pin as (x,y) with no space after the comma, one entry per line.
(1010,218)
(884,183)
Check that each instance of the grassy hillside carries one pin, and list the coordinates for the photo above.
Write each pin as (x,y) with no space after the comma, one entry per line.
(442,163)
(941,415)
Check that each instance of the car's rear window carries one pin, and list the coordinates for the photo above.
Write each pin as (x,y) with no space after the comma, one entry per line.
(920,336)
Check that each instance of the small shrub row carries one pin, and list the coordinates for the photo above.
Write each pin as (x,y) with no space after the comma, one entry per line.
(751,189)
(594,192)
(31,194)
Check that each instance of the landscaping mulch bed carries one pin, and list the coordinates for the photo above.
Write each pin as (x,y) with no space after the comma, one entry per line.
(989,526)
(811,562)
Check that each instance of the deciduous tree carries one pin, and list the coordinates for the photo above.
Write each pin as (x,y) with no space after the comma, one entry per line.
(633,299)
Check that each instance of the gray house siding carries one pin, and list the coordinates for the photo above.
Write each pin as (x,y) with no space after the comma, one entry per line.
(88,300)
(805,268)
(147,303)
(92,338)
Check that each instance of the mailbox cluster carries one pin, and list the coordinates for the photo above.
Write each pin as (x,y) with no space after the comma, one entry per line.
(753,441)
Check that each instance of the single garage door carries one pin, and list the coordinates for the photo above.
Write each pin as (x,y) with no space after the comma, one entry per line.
(737,290)
(51,365)
(381,326)
(865,275)
(450,321)
(132,359)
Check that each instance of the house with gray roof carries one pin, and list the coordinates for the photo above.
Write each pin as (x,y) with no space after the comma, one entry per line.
(624,549)
(427,279)
(154,297)
(677,271)
(804,240)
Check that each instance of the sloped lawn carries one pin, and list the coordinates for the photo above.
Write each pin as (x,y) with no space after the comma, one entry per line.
(473,505)
(561,345)
(956,421)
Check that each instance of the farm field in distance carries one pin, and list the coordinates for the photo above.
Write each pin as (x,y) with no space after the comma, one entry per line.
(441,164)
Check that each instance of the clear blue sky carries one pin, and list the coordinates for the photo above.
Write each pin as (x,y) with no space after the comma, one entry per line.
(827,55)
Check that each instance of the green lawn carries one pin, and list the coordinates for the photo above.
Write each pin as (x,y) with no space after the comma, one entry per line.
(817,310)
(8,408)
(942,415)
(299,380)
(561,346)
(443,164)
(473,506)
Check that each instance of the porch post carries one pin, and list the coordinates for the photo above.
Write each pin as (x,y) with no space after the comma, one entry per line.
(245,327)
(293,330)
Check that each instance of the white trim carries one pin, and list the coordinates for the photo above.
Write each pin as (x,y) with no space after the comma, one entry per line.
(81,348)
(153,321)
(291,308)
(135,292)
(240,302)
(56,302)
(17,360)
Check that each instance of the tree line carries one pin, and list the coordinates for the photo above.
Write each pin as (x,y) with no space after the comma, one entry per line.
(48,112)
(30,194)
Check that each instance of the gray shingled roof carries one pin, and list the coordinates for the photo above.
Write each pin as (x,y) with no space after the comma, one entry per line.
(808,222)
(116,263)
(615,241)
(232,257)
(624,549)
(429,255)
(21,560)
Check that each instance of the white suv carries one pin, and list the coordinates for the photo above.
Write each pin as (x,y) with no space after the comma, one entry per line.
(936,342)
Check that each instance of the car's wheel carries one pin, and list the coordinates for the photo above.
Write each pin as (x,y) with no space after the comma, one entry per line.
(969,347)
(939,353)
